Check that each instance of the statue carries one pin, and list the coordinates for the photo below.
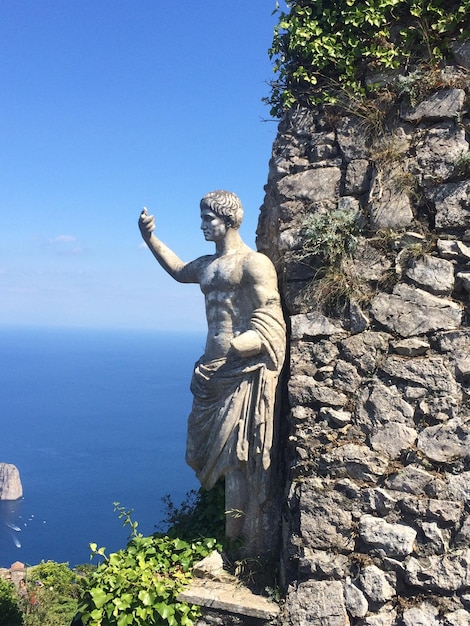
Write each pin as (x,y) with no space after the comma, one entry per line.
(231,424)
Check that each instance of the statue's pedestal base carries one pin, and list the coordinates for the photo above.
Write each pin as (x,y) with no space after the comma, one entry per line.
(223,593)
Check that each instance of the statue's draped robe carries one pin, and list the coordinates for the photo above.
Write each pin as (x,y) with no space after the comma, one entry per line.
(231,422)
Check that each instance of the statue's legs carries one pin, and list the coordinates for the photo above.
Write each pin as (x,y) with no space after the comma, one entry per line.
(236,500)
(248,515)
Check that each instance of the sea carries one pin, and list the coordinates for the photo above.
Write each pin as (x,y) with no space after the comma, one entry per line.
(91,418)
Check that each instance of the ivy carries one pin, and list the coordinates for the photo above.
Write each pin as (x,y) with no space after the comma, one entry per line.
(139,585)
(323,47)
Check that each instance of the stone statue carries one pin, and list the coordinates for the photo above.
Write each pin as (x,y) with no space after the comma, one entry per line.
(231,425)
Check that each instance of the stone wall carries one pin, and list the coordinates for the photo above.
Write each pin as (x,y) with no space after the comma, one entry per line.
(376,523)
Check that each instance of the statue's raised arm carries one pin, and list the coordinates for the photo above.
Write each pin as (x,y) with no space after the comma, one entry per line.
(232,423)
(170,262)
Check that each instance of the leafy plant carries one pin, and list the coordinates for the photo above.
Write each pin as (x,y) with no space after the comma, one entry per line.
(330,235)
(139,585)
(462,164)
(201,514)
(9,611)
(323,47)
(329,241)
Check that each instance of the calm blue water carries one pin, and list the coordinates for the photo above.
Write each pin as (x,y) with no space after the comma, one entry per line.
(90,418)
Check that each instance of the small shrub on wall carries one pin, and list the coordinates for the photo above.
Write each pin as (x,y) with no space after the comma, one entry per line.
(322,47)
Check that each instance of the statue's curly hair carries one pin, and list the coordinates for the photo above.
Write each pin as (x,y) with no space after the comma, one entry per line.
(226,205)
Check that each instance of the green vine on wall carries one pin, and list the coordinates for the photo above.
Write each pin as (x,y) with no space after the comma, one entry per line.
(323,47)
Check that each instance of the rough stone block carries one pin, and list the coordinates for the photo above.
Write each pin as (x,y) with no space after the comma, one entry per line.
(314,185)
(305,390)
(357,176)
(461,52)
(379,586)
(461,617)
(409,311)
(459,486)
(356,601)
(316,604)
(351,139)
(443,511)
(389,206)
(313,324)
(411,347)
(323,564)
(395,540)
(325,522)
(448,442)
(433,274)
(380,404)
(429,372)
(437,151)
(385,617)
(412,479)
(452,204)
(452,249)
(354,461)
(426,614)
(442,573)
(446,103)
(392,439)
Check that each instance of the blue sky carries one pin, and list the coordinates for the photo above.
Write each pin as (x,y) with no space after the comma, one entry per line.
(109,106)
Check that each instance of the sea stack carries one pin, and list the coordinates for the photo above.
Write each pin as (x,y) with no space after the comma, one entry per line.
(10,482)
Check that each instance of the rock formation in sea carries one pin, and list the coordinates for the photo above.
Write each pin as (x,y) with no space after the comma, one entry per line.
(10,482)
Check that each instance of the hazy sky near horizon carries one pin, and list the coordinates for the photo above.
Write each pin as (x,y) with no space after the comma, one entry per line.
(109,106)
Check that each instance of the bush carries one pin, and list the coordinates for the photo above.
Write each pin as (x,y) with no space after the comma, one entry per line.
(51,595)
(201,514)
(330,235)
(10,614)
(322,47)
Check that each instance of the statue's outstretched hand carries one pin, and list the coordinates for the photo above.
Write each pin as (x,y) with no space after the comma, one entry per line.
(146,224)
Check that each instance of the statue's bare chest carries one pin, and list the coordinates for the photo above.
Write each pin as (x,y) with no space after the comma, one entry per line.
(224,274)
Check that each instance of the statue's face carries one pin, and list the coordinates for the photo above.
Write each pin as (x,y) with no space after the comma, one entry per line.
(212,226)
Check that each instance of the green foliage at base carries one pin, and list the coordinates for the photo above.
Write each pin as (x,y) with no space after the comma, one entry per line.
(139,585)
(10,613)
(323,47)
(201,514)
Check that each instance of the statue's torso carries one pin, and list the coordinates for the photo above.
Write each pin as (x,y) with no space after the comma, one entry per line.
(230,299)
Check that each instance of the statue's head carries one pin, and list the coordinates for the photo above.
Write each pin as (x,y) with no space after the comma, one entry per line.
(226,205)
